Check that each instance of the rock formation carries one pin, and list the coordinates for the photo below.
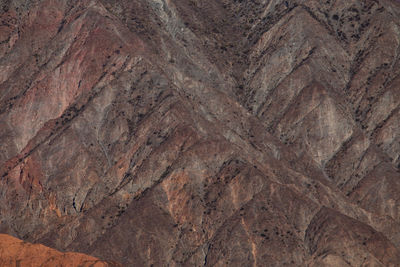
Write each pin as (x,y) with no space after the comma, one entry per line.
(14,252)
(203,133)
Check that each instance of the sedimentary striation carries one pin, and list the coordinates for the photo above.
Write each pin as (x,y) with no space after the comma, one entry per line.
(203,133)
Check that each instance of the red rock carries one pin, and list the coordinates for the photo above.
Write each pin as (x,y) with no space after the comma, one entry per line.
(194,133)
(15,252)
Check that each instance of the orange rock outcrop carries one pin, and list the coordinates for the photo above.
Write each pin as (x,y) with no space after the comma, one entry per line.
(15,252)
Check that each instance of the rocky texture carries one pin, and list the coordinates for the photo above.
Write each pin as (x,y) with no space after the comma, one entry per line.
(203,133)
(15,252)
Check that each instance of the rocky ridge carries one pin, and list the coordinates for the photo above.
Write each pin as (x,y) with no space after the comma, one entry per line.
(15,252)
(203,133)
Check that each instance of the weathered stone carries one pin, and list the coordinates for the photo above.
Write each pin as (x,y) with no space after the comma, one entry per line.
(203,133)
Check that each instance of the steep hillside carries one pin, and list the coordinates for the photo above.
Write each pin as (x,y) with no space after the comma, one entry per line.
(203,133)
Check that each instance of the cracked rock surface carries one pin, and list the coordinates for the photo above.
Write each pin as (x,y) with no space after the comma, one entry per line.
(202,133)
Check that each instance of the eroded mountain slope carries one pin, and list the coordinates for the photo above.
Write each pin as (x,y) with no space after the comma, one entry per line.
(202,133)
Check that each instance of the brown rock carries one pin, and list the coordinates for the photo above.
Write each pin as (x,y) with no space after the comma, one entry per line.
(192,133)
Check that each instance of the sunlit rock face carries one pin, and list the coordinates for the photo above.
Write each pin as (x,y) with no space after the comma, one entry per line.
(202,133)
(15,252)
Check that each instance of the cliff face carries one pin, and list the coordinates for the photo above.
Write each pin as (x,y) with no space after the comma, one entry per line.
(191,133)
